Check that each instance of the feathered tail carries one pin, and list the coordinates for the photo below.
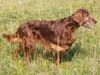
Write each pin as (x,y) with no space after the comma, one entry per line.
(11,38)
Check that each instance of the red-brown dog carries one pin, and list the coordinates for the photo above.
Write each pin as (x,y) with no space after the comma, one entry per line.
(56,35)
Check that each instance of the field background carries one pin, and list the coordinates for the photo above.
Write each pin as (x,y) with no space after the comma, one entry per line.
(84,55)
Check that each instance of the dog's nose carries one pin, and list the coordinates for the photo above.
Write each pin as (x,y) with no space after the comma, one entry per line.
(95,21)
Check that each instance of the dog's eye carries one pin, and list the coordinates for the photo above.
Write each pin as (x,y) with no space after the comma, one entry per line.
(86,18)
(86,15)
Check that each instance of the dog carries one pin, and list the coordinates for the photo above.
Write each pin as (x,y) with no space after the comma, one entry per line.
(56,35)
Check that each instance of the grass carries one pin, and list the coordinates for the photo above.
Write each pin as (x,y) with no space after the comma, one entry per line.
(84,54)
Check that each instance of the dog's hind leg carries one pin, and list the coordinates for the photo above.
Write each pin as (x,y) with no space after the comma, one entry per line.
(17,51)
(27,52)
(29,46)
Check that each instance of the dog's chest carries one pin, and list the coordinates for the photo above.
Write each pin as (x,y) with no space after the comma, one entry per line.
(67,38)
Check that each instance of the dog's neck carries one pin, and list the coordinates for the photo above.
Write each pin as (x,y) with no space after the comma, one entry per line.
(71,24)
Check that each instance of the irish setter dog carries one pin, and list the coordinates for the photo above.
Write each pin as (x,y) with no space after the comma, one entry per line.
(56,35)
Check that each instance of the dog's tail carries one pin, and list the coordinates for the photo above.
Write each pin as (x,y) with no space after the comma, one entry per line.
(11,38)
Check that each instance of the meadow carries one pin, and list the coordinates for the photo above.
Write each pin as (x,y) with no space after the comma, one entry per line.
(84,55)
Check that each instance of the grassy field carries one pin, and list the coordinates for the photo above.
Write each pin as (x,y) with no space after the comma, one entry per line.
(84,54)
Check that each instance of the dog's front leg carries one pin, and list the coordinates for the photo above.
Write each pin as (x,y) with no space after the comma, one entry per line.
(57,58)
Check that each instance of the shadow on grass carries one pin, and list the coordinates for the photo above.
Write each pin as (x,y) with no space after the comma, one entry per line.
(66,56)
(38,53)
(71,53)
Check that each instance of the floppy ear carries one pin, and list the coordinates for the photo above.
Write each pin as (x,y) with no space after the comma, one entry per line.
(78,17)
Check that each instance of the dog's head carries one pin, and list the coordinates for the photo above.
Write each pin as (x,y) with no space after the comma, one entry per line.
(82,17)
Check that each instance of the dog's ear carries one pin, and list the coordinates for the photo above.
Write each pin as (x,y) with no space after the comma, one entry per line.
(79,15)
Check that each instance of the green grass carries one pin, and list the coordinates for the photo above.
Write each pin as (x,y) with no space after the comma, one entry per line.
(85,61)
